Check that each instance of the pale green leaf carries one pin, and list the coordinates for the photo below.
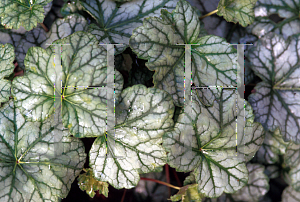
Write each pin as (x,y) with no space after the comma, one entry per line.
(204,140)
(22,30)
(237,11)
(276,101)
(142,117)
(26,13)
(294,174)
(38,160)
(156,41)
(117,21)
(84,64)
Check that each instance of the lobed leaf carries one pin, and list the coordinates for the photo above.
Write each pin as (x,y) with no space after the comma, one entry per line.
(84,65)
(38,160)
(204,140)
(272,147)
(39,37)
(116,20)
(292,159)
(237,11)
(7,56)
(276,101)
(158,42)
(88,183)
(290,195)
(287,9)
(142,116)
(257,186)
(27,13)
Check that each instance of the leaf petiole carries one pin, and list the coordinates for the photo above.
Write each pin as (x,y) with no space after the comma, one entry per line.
(208,14)
(160,182)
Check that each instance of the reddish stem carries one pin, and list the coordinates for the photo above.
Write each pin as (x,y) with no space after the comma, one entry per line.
(44,27)
(177,178)
(168,178)
(123,197)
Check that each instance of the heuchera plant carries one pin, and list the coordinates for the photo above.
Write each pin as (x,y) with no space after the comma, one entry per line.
(230,146)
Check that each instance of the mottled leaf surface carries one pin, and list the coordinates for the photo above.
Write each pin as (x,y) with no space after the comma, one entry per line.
(272,147)
(287,9)
(237,11)
(22,30)
(142,116)
(276,102)
(117,21)
(71,7)
(292,159)
(39,37)
(88,183)
(38,160)
(290,195)
(7,56)
(25,13)
(156,41)
(84,65)
(257,186)
(204,140)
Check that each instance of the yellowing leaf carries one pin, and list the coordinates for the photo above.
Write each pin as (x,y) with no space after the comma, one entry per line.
(188,193)
(237,11)
(88,183)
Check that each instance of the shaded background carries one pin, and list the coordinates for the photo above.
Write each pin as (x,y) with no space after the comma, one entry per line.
(147,191)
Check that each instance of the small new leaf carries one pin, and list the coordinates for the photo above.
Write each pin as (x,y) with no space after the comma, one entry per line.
(237,11)
(276,102)
(88,183)
(188,193)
